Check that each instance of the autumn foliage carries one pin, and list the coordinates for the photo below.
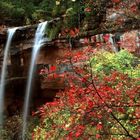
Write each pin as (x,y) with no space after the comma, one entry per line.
(101,100)
(91,107)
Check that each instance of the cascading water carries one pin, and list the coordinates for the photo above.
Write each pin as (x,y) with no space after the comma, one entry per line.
(114,47)
(39,39)
(3,72)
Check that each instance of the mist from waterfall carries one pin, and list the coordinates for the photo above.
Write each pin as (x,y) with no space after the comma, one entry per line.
(11,33)
(39,39)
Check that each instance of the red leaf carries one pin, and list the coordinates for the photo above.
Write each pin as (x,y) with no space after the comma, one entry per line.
(55,75)
(66,30)
(53,68)
(133,8)
(72,33)
(90,104)
(99,126)
(33,113)
(98,136)
(77,134)
(106,37)
(120,109)
(76,30)
(86,40)
(109,110)
(87,9)
(116,1)
(83,80)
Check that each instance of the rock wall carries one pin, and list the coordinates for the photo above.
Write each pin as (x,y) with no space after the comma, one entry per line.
(44,89)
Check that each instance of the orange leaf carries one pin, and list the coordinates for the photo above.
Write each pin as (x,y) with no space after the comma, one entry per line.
(72,33)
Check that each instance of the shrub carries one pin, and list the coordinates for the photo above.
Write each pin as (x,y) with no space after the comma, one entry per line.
(83,112)
(105,62)
(90,107)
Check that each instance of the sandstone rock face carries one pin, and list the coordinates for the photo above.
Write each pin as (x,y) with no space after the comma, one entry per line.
(44,89)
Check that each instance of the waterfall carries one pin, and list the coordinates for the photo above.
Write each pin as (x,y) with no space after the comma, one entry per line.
(39,39)
(3,72)
(114,47)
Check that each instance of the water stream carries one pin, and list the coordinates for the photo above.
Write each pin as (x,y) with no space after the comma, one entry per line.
(11,33)
(114,47)
(39,39)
